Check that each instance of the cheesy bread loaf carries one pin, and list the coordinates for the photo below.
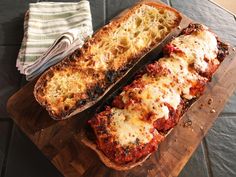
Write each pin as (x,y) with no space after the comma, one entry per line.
(84,77)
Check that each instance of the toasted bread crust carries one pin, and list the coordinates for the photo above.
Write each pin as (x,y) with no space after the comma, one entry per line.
(92,83)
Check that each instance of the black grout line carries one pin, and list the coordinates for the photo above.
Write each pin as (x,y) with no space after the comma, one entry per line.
(4,165)
(170,3)
(227,114)
(207,158)
(104,11)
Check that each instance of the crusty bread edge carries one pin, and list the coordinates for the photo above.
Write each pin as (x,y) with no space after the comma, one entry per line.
(108,162)
(93,146)
(41,80)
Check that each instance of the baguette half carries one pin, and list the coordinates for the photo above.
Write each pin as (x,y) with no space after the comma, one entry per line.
(84,77)
(132,127)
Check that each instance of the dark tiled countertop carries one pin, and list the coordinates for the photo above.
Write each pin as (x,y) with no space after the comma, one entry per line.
(215,156)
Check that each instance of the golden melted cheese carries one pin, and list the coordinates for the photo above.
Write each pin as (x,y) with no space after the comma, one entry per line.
(154,96)
(128,128)
(179,71)
(199,48)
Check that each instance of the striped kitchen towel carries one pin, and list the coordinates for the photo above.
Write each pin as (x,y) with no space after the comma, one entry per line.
(52,30)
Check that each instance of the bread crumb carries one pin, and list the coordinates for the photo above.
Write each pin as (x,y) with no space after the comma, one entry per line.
(210,101)
(201,106)
(213,111)
(187,123)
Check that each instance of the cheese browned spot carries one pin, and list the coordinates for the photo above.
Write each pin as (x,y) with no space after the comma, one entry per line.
(199,48)
(127,127)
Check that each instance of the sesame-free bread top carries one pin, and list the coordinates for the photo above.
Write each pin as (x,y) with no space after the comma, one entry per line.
(85,76)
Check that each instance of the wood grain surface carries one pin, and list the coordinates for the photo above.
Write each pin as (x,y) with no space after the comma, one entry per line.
(61,142)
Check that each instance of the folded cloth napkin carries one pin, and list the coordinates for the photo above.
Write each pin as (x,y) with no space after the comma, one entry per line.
(52,30)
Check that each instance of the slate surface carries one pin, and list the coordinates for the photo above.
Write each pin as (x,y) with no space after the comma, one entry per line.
(1,160)
(5,134)
(11,21)
(221,145)
(113,7)
(9,76)
(197,165)
(214,157)
(231,105)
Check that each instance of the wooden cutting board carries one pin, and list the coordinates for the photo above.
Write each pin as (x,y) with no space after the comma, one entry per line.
(61,142)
